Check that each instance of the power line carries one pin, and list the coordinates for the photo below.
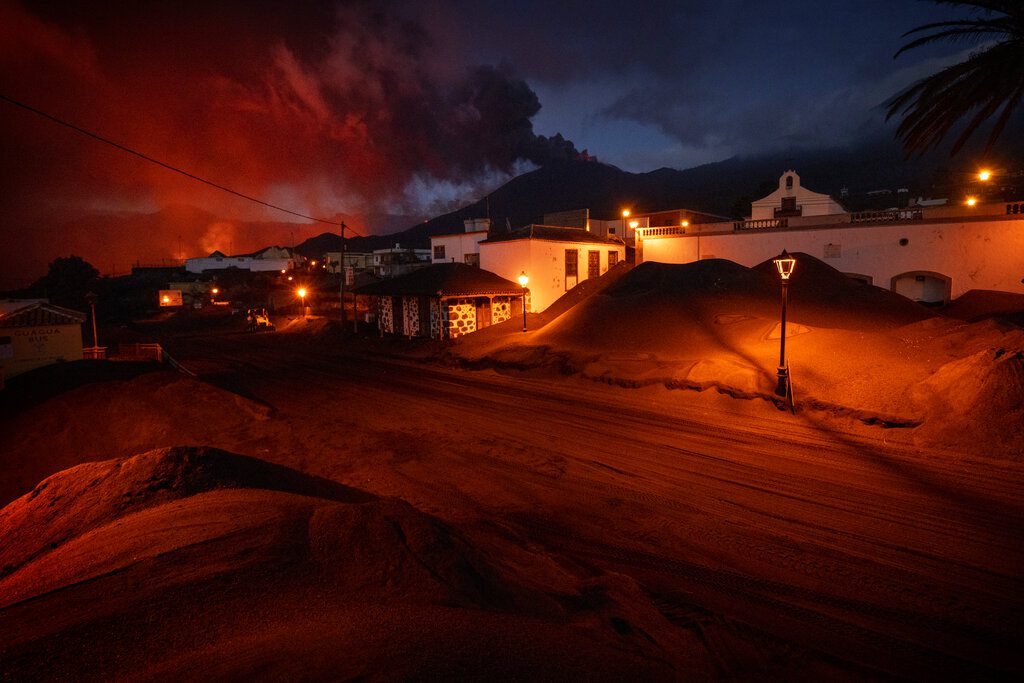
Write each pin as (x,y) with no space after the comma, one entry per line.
(169,167)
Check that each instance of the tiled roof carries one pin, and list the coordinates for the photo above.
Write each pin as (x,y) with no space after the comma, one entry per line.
(38,314)
(444,279)
(552,234)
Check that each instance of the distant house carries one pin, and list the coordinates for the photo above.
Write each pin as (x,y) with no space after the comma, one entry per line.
(34,333)
(443,301)
(555,259)
(265,260)
(398,261)
(460,247)
(357,260)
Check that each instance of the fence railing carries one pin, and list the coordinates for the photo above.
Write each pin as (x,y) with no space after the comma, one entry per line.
(761,223)
(140,352)
(888,215)
(644,233)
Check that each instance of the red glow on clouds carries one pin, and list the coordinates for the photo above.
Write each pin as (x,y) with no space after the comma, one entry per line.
(329,111)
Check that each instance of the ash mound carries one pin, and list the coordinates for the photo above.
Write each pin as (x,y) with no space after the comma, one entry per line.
(191,561)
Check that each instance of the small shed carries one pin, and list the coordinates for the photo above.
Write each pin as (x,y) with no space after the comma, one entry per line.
(34,333)
(444,301)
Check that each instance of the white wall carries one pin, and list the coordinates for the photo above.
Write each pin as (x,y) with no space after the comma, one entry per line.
(456,246)
(980,254)
(544,263)
(199,265)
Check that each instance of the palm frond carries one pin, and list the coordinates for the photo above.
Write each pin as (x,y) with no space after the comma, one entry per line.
(987,82)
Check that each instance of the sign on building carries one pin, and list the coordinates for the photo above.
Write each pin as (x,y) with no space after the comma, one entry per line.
(170,297)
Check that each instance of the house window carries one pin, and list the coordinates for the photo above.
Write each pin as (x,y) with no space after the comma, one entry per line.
(439,252)
(613,258)
(473,260)
(593,264)
(572,257)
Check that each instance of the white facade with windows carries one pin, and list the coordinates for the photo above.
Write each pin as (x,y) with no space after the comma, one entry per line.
(460,247)
(555,259)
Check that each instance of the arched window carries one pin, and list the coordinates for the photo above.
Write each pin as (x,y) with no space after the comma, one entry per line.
(789,182)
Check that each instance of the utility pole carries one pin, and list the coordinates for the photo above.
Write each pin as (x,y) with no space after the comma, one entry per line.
(342,269)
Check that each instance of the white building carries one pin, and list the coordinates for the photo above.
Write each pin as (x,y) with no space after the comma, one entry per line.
(792,199)
(929,254)
(397,261)
(460,247)
(555,259)
(269,259)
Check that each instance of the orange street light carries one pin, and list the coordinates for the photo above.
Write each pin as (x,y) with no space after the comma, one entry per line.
(785,265)
(215,291)
(971,201)
(984,175)
(301,291)
(625,213)
(523,280)
(684,224)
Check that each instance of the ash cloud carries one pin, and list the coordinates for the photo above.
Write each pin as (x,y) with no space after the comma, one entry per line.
(329,108)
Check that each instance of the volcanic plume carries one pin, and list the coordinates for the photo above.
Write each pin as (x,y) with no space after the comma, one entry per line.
(331,110)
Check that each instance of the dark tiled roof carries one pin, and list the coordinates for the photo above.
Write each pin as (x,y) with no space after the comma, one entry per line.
(444,279)
(39,314)
(552,234)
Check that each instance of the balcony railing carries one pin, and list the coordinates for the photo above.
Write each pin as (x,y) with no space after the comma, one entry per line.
(791,211)
(1013,208)
(644,233)
(761,224)
(884,216)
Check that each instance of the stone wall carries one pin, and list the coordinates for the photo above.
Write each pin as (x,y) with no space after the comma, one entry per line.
(501,310)
(435,318)
(410,316)
(386,314)
(461,315)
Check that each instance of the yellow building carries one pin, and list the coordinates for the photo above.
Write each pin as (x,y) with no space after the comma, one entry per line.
(36,333)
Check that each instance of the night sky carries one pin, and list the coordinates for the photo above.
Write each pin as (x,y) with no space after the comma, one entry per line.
(408,109)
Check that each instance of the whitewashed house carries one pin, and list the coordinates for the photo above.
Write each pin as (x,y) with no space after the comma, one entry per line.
(265,260)
(555,259)
(460,247)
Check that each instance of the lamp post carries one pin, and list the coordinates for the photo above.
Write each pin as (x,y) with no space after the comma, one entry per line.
(523,280)
(91,298)
(302,297)
(625,215)
(784,264)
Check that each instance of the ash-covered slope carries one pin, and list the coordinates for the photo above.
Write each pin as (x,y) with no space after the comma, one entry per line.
(195,561)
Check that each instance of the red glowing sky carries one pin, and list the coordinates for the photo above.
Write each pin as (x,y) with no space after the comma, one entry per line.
(334,111)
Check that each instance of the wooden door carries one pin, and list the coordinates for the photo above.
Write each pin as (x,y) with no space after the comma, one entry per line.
(593,264)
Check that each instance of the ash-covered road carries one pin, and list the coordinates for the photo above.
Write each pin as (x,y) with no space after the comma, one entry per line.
(790,548)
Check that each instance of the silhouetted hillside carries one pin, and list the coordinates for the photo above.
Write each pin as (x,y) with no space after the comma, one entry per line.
(725,188)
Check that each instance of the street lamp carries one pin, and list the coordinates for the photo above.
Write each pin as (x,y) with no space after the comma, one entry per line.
(785,265)
(302,296)
(984,175)
(625,215)
(523,280)
(91,298)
